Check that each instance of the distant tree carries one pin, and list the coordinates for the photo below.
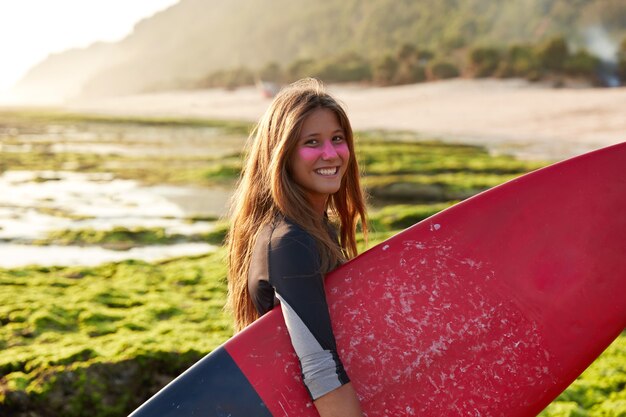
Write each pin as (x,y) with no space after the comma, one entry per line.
(581,64)
(425,56)
(484,61)
(440,70)
(553,54)
(238,77)
(271,72)
(409,68)
(346,67)
(408,74)
(300,68)
(407,53)
(384,70)
(518,61)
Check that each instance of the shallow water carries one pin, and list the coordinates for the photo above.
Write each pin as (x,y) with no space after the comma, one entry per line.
(17,255)
(120,139)
(33,203)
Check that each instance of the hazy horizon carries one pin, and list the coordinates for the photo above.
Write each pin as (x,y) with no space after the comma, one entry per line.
(28,38)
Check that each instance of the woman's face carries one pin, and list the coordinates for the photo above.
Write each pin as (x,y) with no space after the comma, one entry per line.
(321,156)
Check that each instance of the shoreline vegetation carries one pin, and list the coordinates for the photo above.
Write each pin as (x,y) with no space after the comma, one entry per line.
(553,60)
(105,338)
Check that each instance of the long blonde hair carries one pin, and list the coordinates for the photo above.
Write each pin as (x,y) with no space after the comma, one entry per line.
(266,189)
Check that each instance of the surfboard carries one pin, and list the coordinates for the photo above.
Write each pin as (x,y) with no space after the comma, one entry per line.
(489,308)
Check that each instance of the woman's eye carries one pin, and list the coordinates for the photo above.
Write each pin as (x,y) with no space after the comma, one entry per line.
(338,139)
(310,142)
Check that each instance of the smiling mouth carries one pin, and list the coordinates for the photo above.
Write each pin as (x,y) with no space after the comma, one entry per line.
(327,171)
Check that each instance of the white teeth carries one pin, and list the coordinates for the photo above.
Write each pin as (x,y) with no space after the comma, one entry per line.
(327,171)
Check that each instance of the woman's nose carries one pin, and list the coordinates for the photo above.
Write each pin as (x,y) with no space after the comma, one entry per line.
(329,151)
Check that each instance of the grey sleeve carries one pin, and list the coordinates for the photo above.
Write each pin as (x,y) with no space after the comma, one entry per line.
(294,272)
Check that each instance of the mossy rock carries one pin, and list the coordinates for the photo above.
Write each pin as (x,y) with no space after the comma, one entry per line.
(398,217)
(408,191)
(99,389)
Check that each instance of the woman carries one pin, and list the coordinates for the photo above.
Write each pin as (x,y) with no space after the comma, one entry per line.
(300,174)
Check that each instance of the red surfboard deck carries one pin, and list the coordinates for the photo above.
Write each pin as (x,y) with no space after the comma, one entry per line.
(489,308)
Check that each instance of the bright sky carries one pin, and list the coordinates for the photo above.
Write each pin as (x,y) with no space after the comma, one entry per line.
(30,30)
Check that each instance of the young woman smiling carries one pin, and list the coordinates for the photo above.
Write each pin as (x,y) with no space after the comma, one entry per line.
(294,219)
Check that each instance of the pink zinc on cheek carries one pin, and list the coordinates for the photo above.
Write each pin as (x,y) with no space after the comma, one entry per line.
(343,151)
(309,154)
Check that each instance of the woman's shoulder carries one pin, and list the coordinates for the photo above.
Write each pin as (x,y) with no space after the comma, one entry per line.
(291,252)
(285,232)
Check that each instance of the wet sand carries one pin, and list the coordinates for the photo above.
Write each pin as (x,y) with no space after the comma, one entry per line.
(512,116)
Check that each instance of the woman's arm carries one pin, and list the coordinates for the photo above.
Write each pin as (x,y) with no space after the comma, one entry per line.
(341,402)
(295,275)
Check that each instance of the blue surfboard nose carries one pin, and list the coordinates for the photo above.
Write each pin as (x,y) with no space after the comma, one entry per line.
(214,386)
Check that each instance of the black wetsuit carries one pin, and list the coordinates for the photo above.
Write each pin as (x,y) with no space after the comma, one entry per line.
(285,267)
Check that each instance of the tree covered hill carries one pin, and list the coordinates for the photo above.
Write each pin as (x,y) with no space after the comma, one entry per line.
(193,38)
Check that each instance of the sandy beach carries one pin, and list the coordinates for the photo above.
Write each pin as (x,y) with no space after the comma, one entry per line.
(511,116)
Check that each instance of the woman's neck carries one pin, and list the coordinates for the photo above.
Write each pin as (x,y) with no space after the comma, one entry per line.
(318,204)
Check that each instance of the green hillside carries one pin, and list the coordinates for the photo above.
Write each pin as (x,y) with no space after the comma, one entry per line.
(195,38)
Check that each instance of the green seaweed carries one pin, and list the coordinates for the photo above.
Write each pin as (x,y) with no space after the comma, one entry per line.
(159,318)
(103,339)
(123,238)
